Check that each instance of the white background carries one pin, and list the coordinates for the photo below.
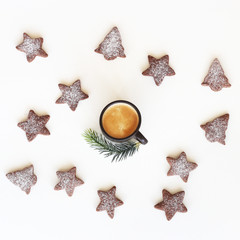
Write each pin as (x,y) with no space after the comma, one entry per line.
(192,33)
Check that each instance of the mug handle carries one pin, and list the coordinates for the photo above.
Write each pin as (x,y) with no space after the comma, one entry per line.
(141,138)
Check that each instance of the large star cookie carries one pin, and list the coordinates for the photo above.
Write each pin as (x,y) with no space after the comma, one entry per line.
(171,203)
(159,68)
(180,166)
(34,125)
(215,131)
(108,201)
(24,178)
(216,78)
(71,94)
(111,47)
(32,47)
(68,181)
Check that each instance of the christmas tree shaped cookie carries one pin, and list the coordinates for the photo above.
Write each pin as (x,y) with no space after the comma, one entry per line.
(216,78)
(215,130)
(111,47)
(24,178)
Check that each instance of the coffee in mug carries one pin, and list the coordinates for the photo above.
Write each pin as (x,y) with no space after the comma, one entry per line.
(120,120)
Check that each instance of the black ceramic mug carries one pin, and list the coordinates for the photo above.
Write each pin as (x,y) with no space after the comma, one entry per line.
(120,121)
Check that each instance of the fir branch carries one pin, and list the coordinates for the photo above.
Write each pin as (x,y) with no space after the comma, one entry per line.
(118,151)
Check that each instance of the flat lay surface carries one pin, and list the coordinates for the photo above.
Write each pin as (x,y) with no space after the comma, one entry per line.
(192,34)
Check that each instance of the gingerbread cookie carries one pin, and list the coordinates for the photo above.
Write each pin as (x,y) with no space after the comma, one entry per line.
(171,203)
(68,181)
(111,47)
(159,68)
(71,94)
(215,131)
(216,78)
(108,201)
(24,178)
(34,125)
(180,166)
(32,47)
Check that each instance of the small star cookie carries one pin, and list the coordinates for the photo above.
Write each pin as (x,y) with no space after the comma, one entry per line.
(216,78)
(68,181)
(71,94)
(111,47)
(32,47)
(108,201)
(34,125)
(159,68)
(171,203)
(24,178)
(215,130)
(180,166)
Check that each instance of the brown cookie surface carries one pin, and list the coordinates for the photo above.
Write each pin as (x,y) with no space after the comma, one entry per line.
(215,131)
(32,47)
(111,47)
(34,125)
(171,203)
(24,178)
(159,68)
(68,181)
(180,166)
(216,78)
(71,94)
(108,201)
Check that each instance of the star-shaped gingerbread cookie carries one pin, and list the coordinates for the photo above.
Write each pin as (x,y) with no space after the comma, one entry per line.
(216,78)
(68,181)
(171,203)
(32,47)
(71,94)
(159,68)
(108,201)
(34,125)
(215,131)
(24,178)
(180,166)
(111,47)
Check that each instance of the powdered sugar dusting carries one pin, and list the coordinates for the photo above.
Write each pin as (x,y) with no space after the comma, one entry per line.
(216,78)
(159,68)
(24,178)
(68,181)
(172,203)
(215,130)
(32,47)
(108,201)
(72,94)
(111,47)
(180,166)
(34,125)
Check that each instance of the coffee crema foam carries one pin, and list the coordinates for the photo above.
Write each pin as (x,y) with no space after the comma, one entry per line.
(120,120)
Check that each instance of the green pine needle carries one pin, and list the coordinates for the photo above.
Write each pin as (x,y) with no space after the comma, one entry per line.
(118,151)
